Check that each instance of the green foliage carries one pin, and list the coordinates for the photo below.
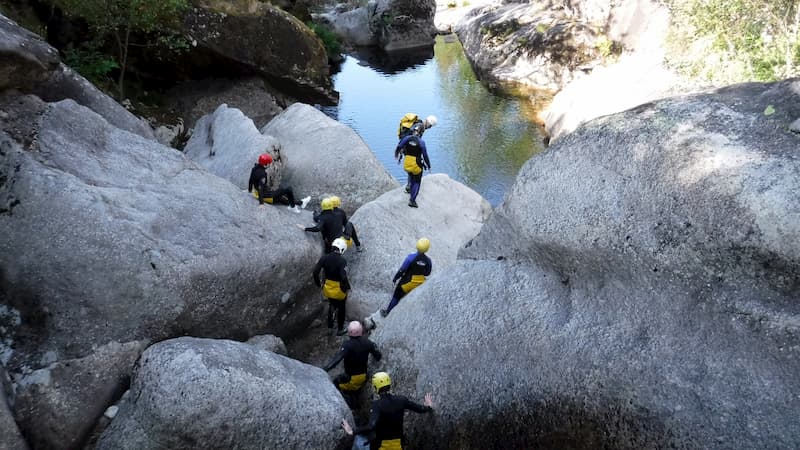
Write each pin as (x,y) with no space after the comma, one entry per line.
(605,46)
(91,63)
(465,3)
(736,40)
(329,39)
(116,22)
(451,4)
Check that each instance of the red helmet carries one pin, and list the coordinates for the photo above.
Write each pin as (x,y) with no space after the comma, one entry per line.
(264,159)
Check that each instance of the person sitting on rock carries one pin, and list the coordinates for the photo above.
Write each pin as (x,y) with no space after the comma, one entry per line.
(355,352)
(334,267)
(412,273)
(329,224)
(260,183)
(412,152)
(350,234)
(386,414)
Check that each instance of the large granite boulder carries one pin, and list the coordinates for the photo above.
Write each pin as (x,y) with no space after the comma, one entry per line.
(651,305)
(117,238)
(28,64)
(391,25)
(227,144)
(262,39)
(326,157)
(449,214)
(57,406)
(10,436)
(189,393)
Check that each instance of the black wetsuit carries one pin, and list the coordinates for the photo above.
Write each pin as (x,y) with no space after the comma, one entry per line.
(330,225)
(355,352)
(334,267)
(259,180)
(386,417)
(349,228)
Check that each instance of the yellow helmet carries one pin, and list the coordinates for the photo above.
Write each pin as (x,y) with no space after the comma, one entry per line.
(423,245)
(337,202)
(326,204)
(380,380)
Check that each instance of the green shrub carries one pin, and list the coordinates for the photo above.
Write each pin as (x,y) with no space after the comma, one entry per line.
(329,39)
(736,40)
(91,63)
(451,5)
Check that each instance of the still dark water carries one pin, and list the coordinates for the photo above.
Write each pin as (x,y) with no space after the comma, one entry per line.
(482,139)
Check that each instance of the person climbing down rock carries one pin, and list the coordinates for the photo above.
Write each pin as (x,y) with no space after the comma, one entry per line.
(349,232)
(386,415)
(334,290)
(329,224)
(412,273)
(355,352)
(259,186)
(407,122)
(412,152)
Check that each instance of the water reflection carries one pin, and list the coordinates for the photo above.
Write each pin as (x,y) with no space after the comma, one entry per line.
(482,138)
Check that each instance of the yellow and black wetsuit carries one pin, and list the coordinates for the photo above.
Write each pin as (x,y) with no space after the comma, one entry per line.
(336,285)
(259,186)
(416,267)
(355,352)
(386,419)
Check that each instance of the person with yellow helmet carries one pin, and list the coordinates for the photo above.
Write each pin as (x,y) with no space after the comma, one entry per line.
(355,352)
(329,224)
(349,229)
(412,152)
(260,186)
(334,290)
(386,415)
(412,273)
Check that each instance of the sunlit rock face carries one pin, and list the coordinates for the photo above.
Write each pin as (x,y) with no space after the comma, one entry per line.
(190,393)
(638,288)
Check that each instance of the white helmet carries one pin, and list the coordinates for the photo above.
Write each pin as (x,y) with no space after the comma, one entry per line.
(340,244)
(430,121)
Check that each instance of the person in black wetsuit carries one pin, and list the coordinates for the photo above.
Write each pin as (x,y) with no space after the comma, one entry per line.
(336,285)
(412,152)
(349,229)
(259,186)
(329,224)
(416,267)
(386,415)
(355,353)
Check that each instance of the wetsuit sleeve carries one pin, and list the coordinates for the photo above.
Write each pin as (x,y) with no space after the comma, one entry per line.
(317,268)
(314,228)
(251,184)
(404,267)
(336,359)
(400,146)
(416,407)
(425,154)
(374,412)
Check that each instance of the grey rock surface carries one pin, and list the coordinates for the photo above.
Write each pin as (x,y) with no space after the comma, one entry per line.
(404,24)
(263,39)
(325,157)
(518,358)
(449,214)
(352,25)
(269,343)
(31,65)
(117,238)
(10,436)
(227,144)
(26,58)
(216,394)
(57,406)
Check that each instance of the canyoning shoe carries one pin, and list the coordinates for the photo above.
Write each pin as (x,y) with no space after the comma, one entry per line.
(412,204)
(408,189)
(384,313)
(293,208)
(359,248)
(304,202)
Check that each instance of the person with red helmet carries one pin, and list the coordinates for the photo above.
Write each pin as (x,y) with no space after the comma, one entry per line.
(260,186)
